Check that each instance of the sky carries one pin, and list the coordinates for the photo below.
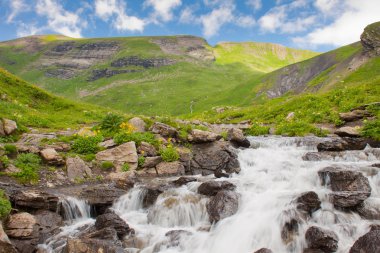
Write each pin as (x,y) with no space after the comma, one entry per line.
(318,25)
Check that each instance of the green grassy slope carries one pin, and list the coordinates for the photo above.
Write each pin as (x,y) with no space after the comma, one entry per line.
(31,106)
(193,82)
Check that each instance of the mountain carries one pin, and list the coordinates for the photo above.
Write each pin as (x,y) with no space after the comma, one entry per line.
(31,106)
(146,75)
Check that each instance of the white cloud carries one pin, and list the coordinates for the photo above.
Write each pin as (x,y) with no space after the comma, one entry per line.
(115,9)
(59,19)
(213,21)
(187,16)
(163,9)
(24,30)
(347,27)
(255,4)
(17,6)
(245,21)
(327,6)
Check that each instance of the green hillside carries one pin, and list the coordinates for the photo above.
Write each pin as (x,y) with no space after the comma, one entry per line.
(144,75)
(31,106)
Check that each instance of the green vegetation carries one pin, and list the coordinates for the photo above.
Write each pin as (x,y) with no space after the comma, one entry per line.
(169,154)
(107,165)
(29,164)
(111,123)
(124,137)
(5,205)
(88,157)
(141,161)
(10,149)
(4,161)
(87,144)
(125,167)
(257,130)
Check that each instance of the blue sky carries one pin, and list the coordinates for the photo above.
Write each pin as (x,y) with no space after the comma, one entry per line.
(311,24)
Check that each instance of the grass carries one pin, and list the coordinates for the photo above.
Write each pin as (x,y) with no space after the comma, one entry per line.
(29,164)
(169,154)
(5,205)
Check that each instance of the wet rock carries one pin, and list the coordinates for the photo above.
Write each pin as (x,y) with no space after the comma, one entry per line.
(170,169)
(151,162)
(313,251)
(289,230)
(164,130)
(200,136)
(222,205)
(107,233)
(216,156)
(184,180)
(48,223)
(138,124)
(211,188)
(150,196)
(7,127)
(322,239)
(5,244)
(51,157)
(77,169)
(35,200)
(348,199)
(263,250)
(308,202)
(174,236)
(368,243)
(125,153)
(236,137)
(112,220)
(354,115)
(101,197)
(369,209)
(347,132)
(91,246)
(147,149)
(343,144)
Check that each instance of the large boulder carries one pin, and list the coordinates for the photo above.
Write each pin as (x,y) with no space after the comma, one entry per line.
(183,181)
(147,149)
(35,200)
(370,39)
(5,244)
(21,225)
(211,188)
(77,169)
(164,130)
(222,205)
(308,202)
(354,115)
(112,220)
(125,153)
(321,239)
(347,132)
(368,243)
(369,209)
(138,124)
(170,169)
(83,245)
(150,196)
(200,136)
(7,127)
(151,162)
(236,137)
(343,144)
(51,156)
(350,188)
(209,158)
(172,239)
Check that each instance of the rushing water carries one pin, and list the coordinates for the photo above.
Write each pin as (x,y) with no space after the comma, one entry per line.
(272,175)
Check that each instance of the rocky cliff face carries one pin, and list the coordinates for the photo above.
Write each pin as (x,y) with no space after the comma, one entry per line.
(370,39)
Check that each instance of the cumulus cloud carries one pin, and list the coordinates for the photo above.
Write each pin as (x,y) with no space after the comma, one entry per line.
(245,21)
(24,30)
(213,21)
(16,6)
(327,6)
(187,15)
(255,4)
(346,27)
(163,9)
(115,10)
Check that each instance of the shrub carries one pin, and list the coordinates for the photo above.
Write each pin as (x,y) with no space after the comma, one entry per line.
(224,135)
(107,165)
(89,157)
(4,161)
(136,137)
(141,161)
(111,122)
(372,129)
(5,205)
(10,149)
(169,154)
(87,145)
(125,167)
(28,164)
(257,130)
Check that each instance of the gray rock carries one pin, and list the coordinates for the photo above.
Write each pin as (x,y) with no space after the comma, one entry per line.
(151,162)
(211,188)
(183,181)
(125,153)
(236,136)
(308,202)
(9,126)
(147,149)
(370,39)
(368,243)
(354,115)
(164,130)
(5,244)
(200,136)
(263,250)
(51,157)
(347,132)
(170,169)
(112,220)
(322,239)
(35,200)
(222,205)
(138,124)
(77,169)
(83,245)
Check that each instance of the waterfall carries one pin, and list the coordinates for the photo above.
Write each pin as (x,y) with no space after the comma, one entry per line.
(74,209)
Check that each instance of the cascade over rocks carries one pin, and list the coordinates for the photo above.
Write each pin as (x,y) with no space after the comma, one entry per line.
(151,195)
(211,188)
(343,144)
(308,202)
(368,243)
(237,138)
(321,239)
(112,220)
(222,205)
(184,180)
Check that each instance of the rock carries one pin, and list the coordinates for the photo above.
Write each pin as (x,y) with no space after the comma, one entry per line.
(151,162)
(170,169)
(122,180)
(108,144)
(236,137)
(22,148)
(322,239)
(350,188)
(289,230)
(164,130)
(101,197)
(354,115)
(51,157)
(211,157)
(9,126)
(107,233)
(172,239)
(112,220)
(369,209)
(5,244)
(138,124)
(48,223)
(147,149)
(200,136)
(308,202)
(150,196)
(290,116)
(347,132)
(263,250)
(222,205)
(35,200)
(183,181)
(185,154)
(82,245)
(125,153)
(211,188)
(77,169)
(21,225)
(368,243)
(370,39)
(312,251)
(343,144)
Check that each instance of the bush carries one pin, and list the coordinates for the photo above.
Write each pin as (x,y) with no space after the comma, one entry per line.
(107,165)
(87,145)
(141,161)
(125,167)
(111,122)
(257,130)
(372,129)
(29,165)
(5,205)
(10,149)
(136,137)
(4,161)
(89,157)
(169,154)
